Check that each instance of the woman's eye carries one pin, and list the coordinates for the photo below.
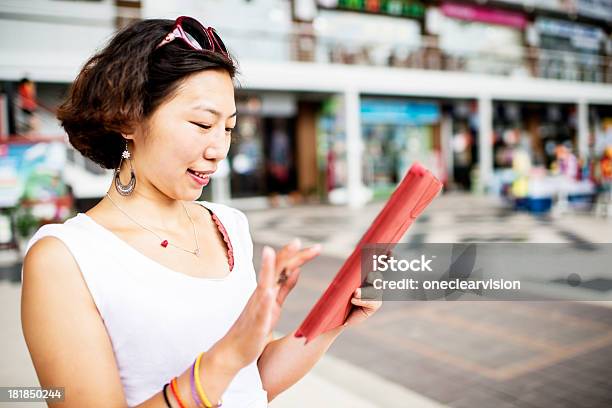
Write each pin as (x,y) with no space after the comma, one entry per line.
(201,125)
(229,130)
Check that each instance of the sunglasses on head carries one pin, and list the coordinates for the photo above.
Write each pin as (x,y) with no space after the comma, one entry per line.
(195,35)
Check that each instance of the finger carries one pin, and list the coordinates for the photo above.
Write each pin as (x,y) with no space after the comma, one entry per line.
(303,256)
(371,302)
(284,290)
(290,272)
(283,277)
(288,279)
(361,311)
(368,304)
(289,249)
(294,245)
(286,253)
(292,269)
(267,274)
(292,278)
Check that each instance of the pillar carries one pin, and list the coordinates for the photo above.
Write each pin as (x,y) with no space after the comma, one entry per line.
(354,148)
(583,129)
(485,141)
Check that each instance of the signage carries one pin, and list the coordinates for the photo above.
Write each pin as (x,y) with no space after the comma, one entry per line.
(484,15)
(399,112)
(403,8)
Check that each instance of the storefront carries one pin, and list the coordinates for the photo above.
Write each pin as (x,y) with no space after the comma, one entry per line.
(397,133)
(32,188)
(536,157)
(331,148)
(531,128)
(262,155)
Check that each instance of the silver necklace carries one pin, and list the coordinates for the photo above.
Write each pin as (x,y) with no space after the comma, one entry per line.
(164,242)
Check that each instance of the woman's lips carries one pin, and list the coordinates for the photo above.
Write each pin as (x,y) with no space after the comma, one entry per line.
(202,181)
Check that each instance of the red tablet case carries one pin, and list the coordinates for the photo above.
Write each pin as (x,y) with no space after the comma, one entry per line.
(418,188)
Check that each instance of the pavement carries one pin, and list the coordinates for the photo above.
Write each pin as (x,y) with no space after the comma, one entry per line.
(422,354)
(462,354)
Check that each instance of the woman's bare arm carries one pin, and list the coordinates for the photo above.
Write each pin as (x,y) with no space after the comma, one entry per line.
(286,360)
(69,344)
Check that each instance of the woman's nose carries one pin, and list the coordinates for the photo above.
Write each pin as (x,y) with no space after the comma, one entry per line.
(216,149)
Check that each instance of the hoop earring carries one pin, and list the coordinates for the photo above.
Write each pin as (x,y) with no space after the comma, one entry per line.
(125,189)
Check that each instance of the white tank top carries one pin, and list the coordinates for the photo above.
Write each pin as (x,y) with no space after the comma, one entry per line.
(158,319)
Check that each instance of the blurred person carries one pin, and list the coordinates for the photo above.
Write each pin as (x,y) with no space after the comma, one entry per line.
(604,179)
(150,298)
(521,165)
(279,163)
(462,157)
(605,165)
(26,91)
(566,163)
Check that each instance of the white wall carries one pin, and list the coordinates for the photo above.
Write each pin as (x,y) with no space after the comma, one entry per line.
(50,40)
(256,27)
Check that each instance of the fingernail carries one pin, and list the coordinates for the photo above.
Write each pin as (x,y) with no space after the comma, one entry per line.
(295,243)
(267,251)
(358,292)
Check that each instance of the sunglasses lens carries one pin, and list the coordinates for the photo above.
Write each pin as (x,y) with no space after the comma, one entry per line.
(218,42)
(193,41)
(196,34)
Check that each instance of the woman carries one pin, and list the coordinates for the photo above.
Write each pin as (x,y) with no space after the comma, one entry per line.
(27,102)
(150,298)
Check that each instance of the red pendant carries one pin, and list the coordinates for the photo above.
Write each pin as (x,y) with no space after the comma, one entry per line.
(164,243)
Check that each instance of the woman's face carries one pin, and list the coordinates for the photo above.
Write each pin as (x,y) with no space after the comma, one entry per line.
(191,131)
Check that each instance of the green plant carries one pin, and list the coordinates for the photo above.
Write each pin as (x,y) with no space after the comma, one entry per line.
(25,223)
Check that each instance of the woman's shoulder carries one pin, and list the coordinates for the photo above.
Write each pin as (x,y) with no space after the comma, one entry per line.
(56,228)
(68,232)
(54,243)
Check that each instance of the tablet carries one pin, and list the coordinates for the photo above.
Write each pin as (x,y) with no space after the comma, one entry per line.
(418,188)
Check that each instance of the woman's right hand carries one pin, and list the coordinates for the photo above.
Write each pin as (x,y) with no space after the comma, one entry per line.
(249,335)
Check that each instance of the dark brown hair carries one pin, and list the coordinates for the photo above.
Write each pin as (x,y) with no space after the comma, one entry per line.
(124,83)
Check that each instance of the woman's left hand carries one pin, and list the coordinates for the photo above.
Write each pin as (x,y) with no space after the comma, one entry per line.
(365,308)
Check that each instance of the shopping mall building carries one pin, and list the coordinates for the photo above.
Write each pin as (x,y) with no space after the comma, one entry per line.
(338,98)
